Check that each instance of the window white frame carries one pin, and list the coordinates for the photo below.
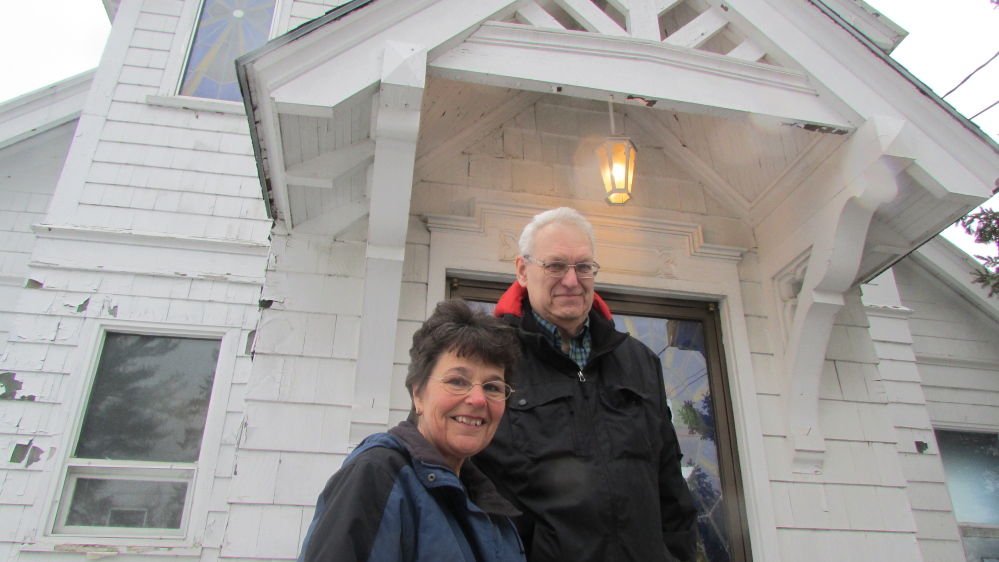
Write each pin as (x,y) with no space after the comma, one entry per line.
(199,474)
(173,73)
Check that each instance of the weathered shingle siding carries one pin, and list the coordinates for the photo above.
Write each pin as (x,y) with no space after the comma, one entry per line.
(300,391)
(30,171)
(859,501)
(171,176)
(890,321)
(957,347)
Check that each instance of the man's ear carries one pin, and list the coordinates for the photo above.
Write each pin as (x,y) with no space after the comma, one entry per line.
(521,271)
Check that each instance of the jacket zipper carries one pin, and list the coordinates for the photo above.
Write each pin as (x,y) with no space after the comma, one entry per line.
(581,377)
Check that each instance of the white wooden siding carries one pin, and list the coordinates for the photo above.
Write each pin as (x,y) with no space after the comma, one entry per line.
(937,532)
(957,347)
(177,177)
(859,502)
(31,169)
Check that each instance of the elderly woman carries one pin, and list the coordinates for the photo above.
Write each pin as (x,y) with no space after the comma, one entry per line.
(412,493)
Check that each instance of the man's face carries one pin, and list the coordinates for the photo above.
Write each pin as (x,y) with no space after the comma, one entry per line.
(563,301)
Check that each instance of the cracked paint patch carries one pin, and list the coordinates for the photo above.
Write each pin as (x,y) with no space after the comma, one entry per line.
(93,551)
(26,453)
(32,284)
(83,306)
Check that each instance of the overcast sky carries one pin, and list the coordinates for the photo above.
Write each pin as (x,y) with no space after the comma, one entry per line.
(43,41)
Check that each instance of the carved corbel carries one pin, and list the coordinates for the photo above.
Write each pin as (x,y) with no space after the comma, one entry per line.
(824,275)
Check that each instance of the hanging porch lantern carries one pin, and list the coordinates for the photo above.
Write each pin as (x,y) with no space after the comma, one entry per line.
(617,163)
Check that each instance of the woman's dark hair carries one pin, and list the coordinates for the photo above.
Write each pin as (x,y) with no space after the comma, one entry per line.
(455,326)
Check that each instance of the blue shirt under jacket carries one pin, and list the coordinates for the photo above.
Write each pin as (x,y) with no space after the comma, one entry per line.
(395,499)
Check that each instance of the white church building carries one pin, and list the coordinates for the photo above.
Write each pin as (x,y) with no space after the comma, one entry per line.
(210,271)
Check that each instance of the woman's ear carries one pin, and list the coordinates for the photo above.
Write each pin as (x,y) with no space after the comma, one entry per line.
(417,403)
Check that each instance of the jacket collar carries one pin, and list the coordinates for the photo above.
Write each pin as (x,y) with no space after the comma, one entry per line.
(512,302)
(481,491)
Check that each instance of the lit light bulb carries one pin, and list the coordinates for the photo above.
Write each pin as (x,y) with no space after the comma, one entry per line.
(618,173)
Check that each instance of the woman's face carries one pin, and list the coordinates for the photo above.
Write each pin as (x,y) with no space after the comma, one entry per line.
(459,426)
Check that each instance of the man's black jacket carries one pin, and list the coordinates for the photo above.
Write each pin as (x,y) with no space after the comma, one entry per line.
(594,465)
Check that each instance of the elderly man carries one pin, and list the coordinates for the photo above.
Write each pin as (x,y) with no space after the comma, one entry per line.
(586,449)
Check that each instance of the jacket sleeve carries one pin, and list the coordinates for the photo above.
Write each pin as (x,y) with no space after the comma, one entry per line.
(676,506)
(349,514)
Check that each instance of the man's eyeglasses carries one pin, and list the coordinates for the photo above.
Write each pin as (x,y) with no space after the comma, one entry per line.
(457,384)
(584,270)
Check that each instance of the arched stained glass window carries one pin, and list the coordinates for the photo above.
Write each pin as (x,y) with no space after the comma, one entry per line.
(226,30)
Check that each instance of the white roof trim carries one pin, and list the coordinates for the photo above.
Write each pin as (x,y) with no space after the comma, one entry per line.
(44,109)
(883,32)
(953,267)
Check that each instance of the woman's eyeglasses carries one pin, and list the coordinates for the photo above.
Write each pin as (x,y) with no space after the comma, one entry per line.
(460,385)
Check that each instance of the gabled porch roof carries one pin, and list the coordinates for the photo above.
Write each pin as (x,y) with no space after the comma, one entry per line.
(745,64)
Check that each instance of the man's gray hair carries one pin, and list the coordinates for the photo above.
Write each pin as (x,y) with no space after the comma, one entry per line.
(565,216)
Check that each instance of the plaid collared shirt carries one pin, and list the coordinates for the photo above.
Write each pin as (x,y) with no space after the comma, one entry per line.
(579,345)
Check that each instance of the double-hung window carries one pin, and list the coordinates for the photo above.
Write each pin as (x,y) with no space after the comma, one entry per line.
(132,469)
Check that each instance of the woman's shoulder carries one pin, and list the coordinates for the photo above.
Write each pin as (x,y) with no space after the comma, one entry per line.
(380,450)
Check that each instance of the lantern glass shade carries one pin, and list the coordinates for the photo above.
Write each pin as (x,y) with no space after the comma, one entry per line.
(617,165)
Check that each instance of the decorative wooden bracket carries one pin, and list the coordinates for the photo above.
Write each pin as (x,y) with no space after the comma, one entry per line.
(396,126)
(812,286)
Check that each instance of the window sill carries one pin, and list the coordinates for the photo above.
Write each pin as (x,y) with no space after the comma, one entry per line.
(197,104)
(100,547)
(980,530)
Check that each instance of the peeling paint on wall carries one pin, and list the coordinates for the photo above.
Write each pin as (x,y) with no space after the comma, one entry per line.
(26,453)
(10,386)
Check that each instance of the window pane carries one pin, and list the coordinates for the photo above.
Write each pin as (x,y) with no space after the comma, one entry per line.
(971,461)
(227,29)
(150,399)
(127,503)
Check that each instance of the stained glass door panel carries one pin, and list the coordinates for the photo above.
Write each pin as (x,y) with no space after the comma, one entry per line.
(681,347)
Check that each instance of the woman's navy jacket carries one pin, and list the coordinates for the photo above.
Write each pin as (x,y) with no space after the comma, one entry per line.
(395,498)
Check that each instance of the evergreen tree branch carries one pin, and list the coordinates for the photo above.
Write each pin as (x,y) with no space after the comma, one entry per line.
(983,224)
